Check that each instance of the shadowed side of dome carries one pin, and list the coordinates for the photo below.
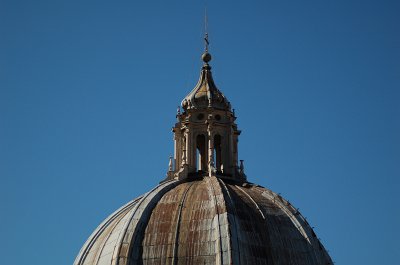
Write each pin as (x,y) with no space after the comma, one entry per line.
(270,230)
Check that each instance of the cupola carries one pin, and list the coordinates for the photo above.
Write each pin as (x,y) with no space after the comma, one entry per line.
(205,135)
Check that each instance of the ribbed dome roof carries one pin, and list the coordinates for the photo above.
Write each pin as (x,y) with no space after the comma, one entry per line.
(206,94)
(208,220)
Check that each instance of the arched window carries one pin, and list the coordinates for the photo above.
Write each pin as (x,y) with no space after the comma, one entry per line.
(217,152)
(201,152)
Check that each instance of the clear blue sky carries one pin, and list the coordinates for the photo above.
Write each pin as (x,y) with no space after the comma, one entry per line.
(89,90)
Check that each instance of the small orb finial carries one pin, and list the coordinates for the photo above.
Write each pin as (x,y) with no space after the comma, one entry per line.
(206,57)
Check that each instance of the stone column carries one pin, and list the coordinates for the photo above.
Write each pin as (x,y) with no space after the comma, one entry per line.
(235,158)
(211,166)
(177,148)
(190,150)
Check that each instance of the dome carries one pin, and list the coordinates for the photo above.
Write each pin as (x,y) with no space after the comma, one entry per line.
(207,220)
(205,211)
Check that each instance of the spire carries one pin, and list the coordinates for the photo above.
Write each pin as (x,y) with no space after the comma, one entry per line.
(206,42)
(206,57)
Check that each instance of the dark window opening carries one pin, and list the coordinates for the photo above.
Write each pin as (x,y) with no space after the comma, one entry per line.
(201,152)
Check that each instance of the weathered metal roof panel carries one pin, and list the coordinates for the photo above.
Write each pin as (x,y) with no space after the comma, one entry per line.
(103,238)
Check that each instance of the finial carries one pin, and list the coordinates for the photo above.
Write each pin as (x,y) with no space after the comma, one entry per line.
(206,57)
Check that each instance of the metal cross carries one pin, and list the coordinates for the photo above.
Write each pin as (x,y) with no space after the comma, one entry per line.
(206,30)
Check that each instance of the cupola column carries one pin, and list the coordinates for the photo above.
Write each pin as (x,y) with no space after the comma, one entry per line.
(235,155)
(211,159)
(177,148)
(190,150)
(183,150)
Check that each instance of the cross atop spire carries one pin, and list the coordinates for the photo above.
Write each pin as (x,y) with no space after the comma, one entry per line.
(206,42)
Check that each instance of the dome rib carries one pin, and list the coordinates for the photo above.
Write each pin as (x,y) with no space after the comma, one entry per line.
(255,247)
(233,223)
(178,224)
(219,201)
(88,249)
(99,255)
(319,255)
(130,240)
(253,201)
(286,207)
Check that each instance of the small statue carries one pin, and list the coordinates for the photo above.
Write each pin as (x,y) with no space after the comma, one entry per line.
(241,168)
(170,164)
